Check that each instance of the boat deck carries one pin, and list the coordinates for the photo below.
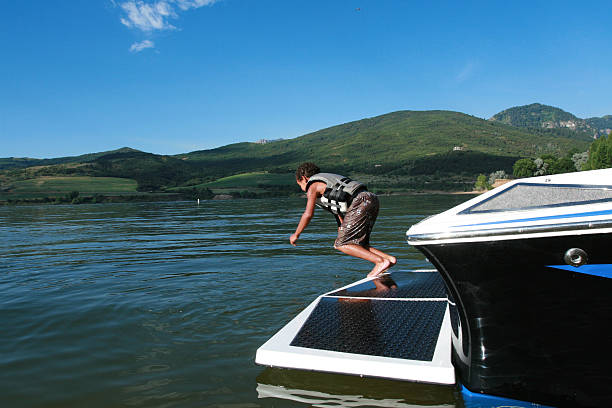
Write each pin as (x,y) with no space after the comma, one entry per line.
(395,326)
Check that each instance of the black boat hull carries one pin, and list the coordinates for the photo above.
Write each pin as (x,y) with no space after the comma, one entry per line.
(524,329)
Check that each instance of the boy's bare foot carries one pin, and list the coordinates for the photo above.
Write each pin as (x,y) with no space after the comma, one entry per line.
(379,268)
(392,260)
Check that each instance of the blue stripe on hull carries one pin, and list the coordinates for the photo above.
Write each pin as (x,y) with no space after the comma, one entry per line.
(603,270)
(476,400)
(547,217)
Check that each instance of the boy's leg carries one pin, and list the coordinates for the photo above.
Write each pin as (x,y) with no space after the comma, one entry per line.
(380,253)
(354,233)
(380,263)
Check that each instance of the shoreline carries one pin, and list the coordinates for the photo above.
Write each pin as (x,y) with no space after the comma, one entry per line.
(169,197)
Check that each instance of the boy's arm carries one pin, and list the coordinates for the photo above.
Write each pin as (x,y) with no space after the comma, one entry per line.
(307,216)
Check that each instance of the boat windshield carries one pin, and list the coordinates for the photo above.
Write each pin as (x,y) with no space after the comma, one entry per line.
(525,196)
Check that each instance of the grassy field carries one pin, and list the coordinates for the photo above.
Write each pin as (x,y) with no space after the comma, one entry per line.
(251,180)
(84,185)
(259,182)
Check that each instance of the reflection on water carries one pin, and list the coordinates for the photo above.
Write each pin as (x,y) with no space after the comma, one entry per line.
(328,390)
(165,304)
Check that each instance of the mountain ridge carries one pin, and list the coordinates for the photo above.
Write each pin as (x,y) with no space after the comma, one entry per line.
(406,134)
(24,162)
(401,143)
(537,115)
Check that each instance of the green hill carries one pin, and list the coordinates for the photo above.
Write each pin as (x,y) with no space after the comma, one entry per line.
(603,123)
(151,171)
(538,116)
(416,149)
(534,116)
(24,162)
(388,142)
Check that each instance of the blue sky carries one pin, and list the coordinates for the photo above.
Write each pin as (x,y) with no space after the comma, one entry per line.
(173,76)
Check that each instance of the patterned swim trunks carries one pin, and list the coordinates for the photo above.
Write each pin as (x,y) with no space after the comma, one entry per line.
(359,221)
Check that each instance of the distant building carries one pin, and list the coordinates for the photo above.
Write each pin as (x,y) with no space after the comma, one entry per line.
(457,148)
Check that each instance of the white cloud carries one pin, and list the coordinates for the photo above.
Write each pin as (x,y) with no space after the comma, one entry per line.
(189,4)
(155,15)
(139,46)
(147,16)
(150,16)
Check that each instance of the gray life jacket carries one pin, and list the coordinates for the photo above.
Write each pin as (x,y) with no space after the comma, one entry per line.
(339,192)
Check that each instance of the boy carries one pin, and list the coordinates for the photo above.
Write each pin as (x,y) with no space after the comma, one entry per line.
(355,210)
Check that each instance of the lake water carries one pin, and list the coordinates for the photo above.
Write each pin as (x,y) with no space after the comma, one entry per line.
(165,304)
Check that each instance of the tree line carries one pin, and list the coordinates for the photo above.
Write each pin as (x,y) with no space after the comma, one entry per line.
(598,156)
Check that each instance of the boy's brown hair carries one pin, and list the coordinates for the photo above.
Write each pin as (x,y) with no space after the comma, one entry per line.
(307,170)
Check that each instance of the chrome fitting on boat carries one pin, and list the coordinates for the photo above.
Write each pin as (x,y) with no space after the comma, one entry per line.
(575,257)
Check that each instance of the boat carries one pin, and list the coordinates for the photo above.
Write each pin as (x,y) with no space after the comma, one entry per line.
(527,269)
(514,313)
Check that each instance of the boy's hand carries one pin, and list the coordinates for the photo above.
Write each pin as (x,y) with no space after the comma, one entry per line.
(293,239)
